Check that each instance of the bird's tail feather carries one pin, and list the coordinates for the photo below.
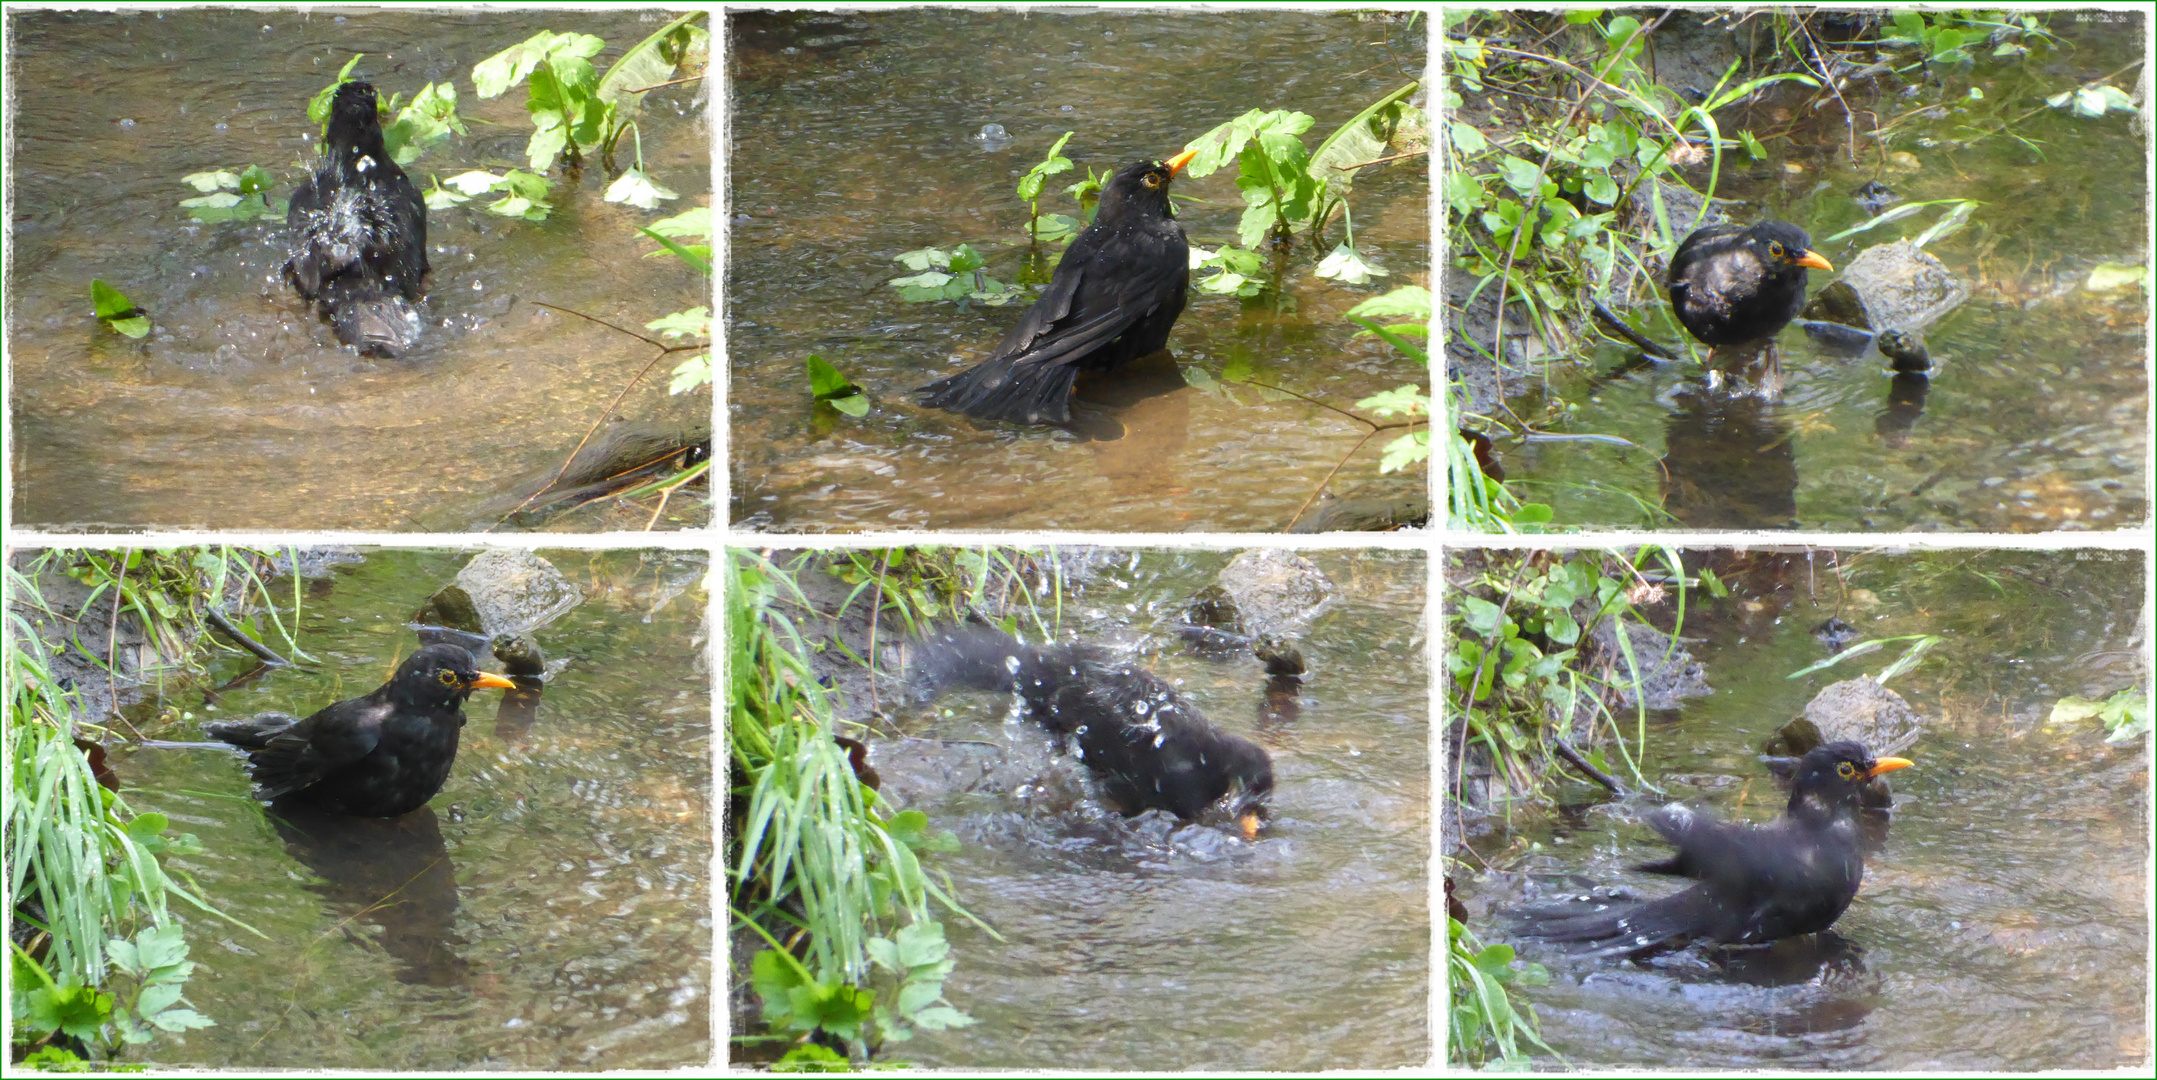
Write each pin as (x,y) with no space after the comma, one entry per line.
(375,321)
(974,657)
(253,733)
(1003,390)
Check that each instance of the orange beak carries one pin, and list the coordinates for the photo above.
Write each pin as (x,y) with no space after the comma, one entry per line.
(1176,164)
(1250,822)
(1887,764)
(1813,259)
(484,679)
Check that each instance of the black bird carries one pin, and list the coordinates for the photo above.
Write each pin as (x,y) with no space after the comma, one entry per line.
(359,232)
(375,756)
(1111,300)
(1151,749)
(1730,284)
(1757,883)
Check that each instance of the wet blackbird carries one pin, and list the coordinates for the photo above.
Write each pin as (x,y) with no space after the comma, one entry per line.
(1111,300)
(1757,883)
(375,756)
(359,232)
(1730,284)
(1151,749)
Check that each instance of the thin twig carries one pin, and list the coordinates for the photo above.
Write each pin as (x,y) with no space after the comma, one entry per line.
(217,619)
(664,349)
(1320,489)
(1572,757)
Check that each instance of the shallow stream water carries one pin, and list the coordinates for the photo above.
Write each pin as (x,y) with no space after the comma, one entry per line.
(549,909)
(1133,945)
(241,410)
(2037,415)
(2004,927)
(853,141)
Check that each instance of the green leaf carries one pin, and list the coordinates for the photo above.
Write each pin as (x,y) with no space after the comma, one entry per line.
(2112,276)
(942,1018)
(697,256)
(1405,451)
(511,66)
(638,190)
(114,309)
(1408,400)
(923,259)
(181,1020)
(828,386)
(691,373)
(318,106)
(1348,265)
(1054,228)
(80,1011)
(1407,301)
(693,222)
(211,181)
(695,322)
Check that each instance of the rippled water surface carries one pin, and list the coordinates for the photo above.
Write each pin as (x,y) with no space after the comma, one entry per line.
(240,410)
(2037,417)
(549,909)
(1129,947)
(853,142)
(2004,927)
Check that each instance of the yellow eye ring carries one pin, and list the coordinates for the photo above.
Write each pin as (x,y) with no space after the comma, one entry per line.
(1775,248)
(1152,180)
(1845,770)
(448,678)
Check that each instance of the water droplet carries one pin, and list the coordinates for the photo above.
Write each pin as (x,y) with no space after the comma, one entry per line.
(127,123)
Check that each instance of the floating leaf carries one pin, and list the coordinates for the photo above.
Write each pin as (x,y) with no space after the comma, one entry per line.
(2111,277)
(638,190)
(114,309)
(1345,263)
(830,387)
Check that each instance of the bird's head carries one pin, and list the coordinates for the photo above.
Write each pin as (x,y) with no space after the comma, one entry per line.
(355,105)
(1252,773)
(1830,776)
(1780,243)
(442,674)
(1142,185)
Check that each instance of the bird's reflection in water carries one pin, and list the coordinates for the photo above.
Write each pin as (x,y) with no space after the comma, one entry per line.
(1731,462)
(1140,397)
(391,877)
(519,710)
(1905,403)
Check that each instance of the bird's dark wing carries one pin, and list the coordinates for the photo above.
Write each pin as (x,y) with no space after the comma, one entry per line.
(400,251)
(1095,295)
(301,755)
(303,217)
(1701,244)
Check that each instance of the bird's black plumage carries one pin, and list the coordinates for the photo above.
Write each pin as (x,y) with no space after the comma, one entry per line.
(375,756)
(1151,749)
(1755,883)
(1730,284)
(1112,299)
(359,232)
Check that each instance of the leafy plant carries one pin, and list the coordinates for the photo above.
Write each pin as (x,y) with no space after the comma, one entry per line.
(2126,714)
(115,310)
(950,275)
(1055,227)
(240,196)
(816,851)
(575,110)
(523,194)
(694,223)
(1482,1015)
(1290,192)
